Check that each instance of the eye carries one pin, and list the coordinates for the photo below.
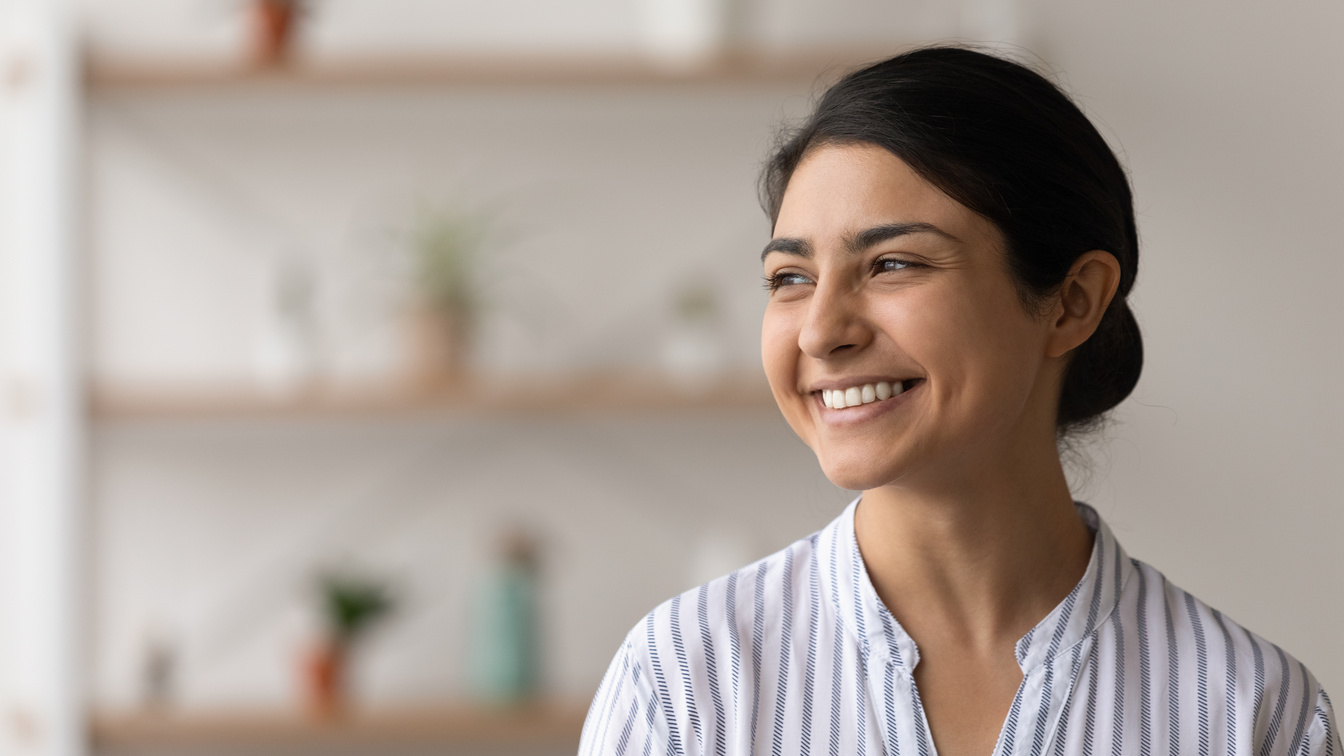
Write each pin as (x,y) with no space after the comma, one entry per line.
(892,264)
(776,281)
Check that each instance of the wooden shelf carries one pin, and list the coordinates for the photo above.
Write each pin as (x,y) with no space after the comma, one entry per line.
(599,393)
(556,725)
(106,74)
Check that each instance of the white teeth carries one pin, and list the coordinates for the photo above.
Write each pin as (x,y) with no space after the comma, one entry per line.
(865,394)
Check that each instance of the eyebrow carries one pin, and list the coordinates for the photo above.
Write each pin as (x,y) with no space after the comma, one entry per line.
(856,243)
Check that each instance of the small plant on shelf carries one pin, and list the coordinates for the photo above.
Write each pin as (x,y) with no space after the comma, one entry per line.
(350,605)
(445,245)
(274,24)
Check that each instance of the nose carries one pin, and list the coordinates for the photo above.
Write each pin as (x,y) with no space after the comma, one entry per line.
(835,323)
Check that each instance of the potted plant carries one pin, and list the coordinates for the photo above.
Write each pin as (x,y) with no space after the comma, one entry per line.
(445,244)
(273,25)
(350,605)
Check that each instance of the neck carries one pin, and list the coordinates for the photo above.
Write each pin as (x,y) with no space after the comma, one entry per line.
(975,559)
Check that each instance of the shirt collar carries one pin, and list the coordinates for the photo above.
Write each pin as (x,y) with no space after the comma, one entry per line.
(878,633)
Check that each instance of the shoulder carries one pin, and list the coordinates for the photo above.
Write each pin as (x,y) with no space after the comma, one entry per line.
(688,670)
(700,634)
(704,628)
(1213,639)
(1229,673)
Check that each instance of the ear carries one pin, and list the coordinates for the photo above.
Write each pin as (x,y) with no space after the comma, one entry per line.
(1082,300)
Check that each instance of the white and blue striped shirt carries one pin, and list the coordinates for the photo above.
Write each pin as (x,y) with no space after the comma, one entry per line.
(796,654)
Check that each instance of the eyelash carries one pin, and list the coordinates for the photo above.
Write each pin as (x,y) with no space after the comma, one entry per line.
(774,281)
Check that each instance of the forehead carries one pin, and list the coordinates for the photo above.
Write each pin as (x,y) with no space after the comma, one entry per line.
(838,189)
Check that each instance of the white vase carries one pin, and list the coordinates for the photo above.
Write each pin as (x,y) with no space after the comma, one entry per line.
(684,34)
(693,357)
(287,350)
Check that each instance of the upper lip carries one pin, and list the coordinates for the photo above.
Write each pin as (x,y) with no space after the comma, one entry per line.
(851,382)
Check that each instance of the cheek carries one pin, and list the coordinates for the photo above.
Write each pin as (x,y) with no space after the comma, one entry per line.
(1009,341)
(977,347)
(779,346)
(779,356)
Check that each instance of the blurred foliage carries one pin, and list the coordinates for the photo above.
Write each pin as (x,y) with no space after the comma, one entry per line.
(446,243)
(351,604)
(696,303)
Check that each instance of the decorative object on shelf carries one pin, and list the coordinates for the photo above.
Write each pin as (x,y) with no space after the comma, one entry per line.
(350,604)
(504,661)
(693,351)
(288,344)
(445,245)
(684,35)
(274,27)
(158,670)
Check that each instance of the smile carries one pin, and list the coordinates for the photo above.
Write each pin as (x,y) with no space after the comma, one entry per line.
(867,393)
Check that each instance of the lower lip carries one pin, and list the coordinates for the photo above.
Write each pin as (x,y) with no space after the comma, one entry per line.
(863,412)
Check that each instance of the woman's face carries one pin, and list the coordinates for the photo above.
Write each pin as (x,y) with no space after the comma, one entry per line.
(877,278)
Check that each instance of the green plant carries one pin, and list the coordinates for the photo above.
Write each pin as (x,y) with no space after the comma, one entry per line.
(351,604)
(696,303)
(446,244)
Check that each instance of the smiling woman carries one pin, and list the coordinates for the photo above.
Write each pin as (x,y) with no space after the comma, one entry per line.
(953,245)
(904,285)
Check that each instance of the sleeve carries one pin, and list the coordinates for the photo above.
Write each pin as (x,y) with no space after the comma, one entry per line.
(625,716)
(1321,737)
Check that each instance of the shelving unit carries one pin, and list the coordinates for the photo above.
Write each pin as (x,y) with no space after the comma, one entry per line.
(516,395)
(552,726)
(104,74)
(604,392)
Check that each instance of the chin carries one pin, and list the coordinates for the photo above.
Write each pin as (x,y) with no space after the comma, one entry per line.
(857,474)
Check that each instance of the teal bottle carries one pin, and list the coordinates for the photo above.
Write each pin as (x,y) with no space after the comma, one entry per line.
(505,663)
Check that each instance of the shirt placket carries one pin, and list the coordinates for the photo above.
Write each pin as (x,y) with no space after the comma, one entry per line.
(897,715)
(1033,725)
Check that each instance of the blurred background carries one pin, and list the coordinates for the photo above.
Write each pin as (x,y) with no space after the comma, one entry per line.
(368,369)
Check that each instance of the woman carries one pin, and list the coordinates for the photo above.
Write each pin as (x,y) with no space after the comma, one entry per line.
(953,245)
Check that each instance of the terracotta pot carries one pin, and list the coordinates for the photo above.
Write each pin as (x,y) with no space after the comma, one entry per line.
(324,668)
(439,348)
(273,24)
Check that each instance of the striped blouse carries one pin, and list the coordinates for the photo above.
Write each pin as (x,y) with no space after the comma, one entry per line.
(796,654)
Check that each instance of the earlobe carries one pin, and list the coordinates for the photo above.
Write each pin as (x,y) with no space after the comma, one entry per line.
(1083,298)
